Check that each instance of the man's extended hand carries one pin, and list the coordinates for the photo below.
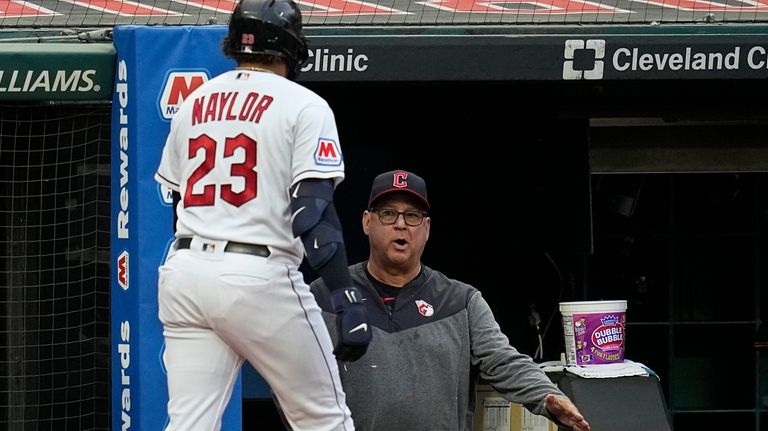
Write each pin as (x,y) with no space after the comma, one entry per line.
(352,324)
(563,409)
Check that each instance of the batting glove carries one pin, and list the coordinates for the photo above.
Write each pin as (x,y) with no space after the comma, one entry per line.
(352,324)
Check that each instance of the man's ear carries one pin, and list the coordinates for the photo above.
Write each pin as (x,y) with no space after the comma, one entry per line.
(366,221)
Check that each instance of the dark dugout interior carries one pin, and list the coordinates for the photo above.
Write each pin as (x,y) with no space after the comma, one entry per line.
(508,167)
(507,178)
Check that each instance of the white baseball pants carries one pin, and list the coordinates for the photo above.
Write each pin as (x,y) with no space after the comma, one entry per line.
(219,309)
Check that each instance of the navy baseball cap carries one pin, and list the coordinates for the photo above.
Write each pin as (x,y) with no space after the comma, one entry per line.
(398,181)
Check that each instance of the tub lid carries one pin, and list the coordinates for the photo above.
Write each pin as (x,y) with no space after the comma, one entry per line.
(593,306)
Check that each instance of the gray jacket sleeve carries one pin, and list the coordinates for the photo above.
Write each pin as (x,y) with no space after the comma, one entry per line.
(514,375)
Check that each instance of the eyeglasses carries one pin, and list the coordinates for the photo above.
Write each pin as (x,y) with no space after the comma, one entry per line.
(389,216)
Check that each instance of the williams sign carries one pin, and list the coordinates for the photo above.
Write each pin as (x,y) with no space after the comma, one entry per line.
(56,71)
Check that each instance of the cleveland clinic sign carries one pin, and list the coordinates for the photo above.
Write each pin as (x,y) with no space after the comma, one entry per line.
(592,59)
(580,55)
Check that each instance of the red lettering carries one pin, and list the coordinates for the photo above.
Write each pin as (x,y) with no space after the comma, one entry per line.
(210,112)
(260,108)
(226,98)
(197,110)
(245,110)
(327,150)
(230,115)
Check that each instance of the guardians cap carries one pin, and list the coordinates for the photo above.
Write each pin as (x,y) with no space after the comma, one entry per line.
(398,181)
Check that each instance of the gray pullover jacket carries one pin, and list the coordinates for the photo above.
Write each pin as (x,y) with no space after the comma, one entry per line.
(422,366)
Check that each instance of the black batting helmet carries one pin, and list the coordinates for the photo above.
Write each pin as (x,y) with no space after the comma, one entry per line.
(270,27)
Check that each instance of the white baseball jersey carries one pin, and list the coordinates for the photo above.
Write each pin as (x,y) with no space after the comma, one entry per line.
(235,147)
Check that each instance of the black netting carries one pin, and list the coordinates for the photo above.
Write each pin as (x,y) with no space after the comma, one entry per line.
(54,267)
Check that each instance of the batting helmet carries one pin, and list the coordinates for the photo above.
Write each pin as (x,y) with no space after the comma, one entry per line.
(270,27)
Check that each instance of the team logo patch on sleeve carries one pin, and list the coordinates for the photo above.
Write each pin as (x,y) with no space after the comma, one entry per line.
(327,153)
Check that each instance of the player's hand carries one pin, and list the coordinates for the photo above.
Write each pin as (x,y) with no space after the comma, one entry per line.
(352,324)
(565,411)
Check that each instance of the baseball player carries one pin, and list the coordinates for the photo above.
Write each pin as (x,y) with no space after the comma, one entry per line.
(253,159)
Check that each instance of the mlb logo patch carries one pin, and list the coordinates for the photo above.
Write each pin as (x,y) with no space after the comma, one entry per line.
(327,152)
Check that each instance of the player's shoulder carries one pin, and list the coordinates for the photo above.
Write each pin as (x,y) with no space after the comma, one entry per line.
(307,95)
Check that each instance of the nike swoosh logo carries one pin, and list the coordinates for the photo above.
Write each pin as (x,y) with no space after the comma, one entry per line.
(296,191)
(363,326)
(293,216)
(315,245)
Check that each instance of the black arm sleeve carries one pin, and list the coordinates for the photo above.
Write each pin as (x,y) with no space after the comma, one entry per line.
(335,272)
(316,222)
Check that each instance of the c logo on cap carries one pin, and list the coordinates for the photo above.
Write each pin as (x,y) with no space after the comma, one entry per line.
(400,179)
